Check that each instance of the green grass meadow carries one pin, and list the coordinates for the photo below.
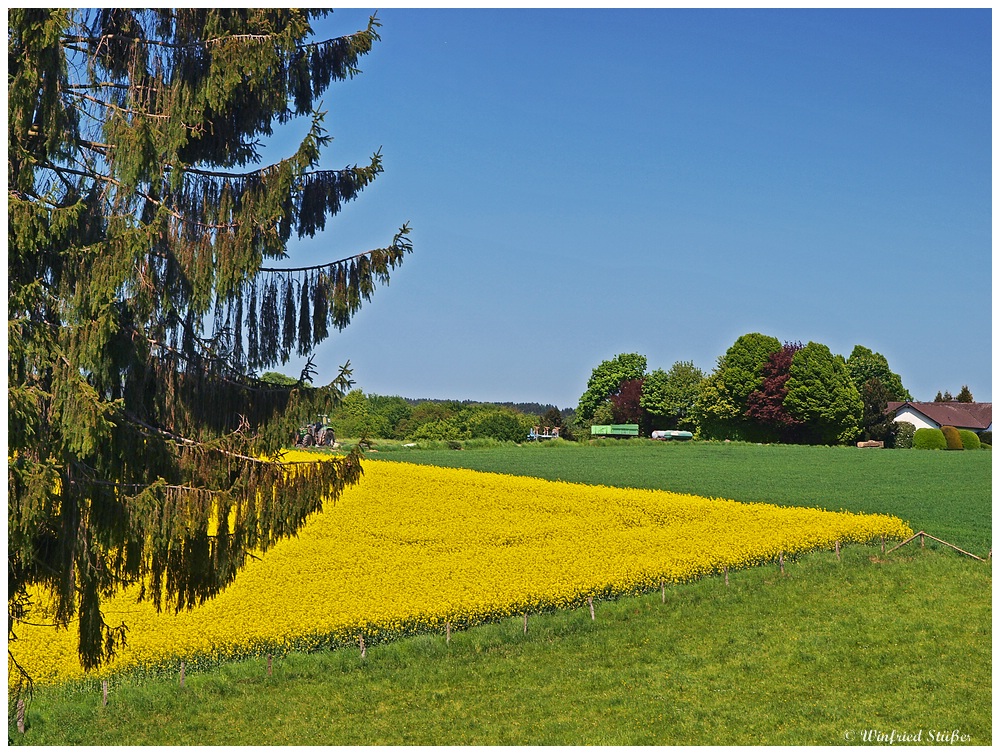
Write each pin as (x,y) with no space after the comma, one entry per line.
(819,655)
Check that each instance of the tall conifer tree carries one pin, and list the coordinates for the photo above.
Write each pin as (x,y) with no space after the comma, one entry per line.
(145,291)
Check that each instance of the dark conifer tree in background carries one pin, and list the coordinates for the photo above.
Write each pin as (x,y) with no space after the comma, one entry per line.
(876,422)
(143,299)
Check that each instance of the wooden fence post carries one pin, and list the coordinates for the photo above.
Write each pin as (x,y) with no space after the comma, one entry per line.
(883,544)
(20,715)
(921,539)
(663,592)
(361,643)
(525,621)
(269,666)
(182,673)
(837,548)
(590,602)
(104,693)
(447,632)
(781,562)
(726,569)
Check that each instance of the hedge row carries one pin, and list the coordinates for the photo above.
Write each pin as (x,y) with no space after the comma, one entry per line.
(970,440)
(946,438)
(927,438)
(952,438)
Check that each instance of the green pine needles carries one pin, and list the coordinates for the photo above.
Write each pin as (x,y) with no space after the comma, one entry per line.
(145,293)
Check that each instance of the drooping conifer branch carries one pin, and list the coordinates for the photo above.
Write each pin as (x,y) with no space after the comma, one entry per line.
(142,447)
(300,304)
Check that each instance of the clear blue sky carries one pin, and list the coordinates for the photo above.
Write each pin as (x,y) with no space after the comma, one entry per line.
(584,183)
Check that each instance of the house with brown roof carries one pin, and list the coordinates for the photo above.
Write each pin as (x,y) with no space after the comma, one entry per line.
(977,417)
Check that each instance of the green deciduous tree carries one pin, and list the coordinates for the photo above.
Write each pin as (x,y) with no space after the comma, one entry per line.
(426,412)
(606,380)
(394,409)
(355,417)
(277,378)
(440,429)
(143,294)
(864,365)
(670,396)
(715,412)
(500,424)
(604,413)
(743,362)
(822,395)
(722,400)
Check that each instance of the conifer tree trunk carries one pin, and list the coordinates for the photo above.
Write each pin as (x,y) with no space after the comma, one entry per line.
(146,291)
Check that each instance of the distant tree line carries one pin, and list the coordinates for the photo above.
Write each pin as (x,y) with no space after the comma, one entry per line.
(761,390)
(396,418)
(537,409)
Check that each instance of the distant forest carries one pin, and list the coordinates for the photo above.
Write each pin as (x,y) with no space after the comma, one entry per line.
(525,408)
(539,409)
(396,418)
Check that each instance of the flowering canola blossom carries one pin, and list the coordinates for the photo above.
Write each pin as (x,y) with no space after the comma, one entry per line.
(413,547)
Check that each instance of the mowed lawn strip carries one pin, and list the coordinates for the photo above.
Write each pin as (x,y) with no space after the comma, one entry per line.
(947,494)
(814,657)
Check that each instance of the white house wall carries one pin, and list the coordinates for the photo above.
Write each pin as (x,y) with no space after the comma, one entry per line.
(917,420)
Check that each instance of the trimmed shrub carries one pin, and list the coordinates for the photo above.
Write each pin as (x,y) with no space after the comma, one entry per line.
(929,439)
(970,440)
(952,437)
(903,435)
(986,438)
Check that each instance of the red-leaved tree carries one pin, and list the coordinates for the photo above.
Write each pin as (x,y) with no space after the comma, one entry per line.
(765,406)
(625,406)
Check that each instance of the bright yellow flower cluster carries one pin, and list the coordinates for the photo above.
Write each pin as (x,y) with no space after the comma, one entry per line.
(412,547)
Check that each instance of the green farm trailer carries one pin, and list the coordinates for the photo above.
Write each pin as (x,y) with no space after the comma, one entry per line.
(614,430)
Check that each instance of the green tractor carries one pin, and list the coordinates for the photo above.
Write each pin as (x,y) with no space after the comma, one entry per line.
(318,433)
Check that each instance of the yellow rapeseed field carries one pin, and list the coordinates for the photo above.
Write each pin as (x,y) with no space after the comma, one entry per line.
(414,546)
